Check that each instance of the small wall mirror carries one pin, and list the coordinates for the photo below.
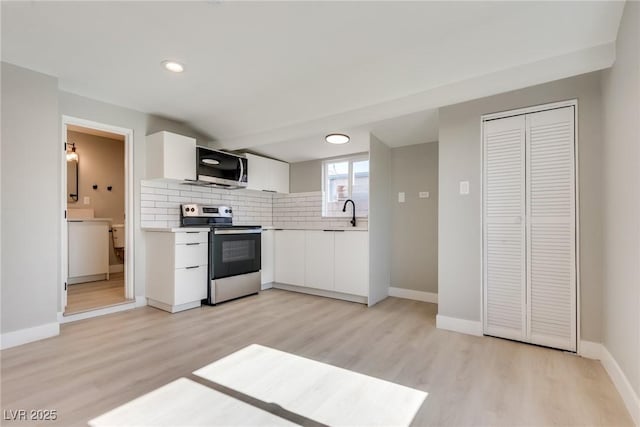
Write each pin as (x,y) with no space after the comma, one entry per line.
(72,176)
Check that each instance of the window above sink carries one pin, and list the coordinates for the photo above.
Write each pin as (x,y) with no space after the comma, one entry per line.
(343,179)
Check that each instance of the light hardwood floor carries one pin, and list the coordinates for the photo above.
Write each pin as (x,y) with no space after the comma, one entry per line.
(100,363)
(88,296)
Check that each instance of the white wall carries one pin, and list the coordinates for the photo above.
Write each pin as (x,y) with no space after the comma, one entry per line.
(621,218)
(459,230)
(31,201)
(379,220)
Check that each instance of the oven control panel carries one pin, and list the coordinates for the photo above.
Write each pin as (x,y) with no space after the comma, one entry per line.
(210,211)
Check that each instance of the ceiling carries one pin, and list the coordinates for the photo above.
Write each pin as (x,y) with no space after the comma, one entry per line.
(262,73)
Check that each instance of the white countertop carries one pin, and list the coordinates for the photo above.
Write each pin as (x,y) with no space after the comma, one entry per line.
(318,228)
(89,220)
(178,229)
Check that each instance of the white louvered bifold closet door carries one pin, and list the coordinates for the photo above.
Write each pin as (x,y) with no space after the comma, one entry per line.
(529,235)
(551,228)
(504,228)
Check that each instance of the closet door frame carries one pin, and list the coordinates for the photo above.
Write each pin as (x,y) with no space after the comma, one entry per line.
(517,112)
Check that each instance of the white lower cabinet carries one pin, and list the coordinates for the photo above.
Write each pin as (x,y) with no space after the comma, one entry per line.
(88,246)
(352,263)
(177,264)
(290,257)
(318,255)
(267,257)
(334,261)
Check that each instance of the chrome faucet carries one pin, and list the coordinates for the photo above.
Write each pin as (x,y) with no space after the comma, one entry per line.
(344,209)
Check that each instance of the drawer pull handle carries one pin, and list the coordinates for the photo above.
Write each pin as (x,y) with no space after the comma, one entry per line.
(194,266)
(193,232)
(193,244)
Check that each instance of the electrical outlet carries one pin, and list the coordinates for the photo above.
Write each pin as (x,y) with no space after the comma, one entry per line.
(86,200)
(401,197)
(423,194)
(464,187)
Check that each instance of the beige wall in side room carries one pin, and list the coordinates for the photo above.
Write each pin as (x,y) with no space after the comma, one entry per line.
(414,224)
(621,173)
(101,162)
(459,228)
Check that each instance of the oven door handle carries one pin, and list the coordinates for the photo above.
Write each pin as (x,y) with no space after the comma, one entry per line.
(245,231)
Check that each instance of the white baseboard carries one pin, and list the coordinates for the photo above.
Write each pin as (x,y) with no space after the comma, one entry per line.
(620,380)
(413,294)
(321,293)
(469,327)
(266,286)
(116,268)
(597,351)
(98,312)
(27,335)
(591,350)
(141,301)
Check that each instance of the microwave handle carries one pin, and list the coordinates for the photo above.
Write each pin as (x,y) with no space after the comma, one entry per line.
(241,170)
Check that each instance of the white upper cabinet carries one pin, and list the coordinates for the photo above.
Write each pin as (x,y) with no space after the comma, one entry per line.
(267,174)
(171,156)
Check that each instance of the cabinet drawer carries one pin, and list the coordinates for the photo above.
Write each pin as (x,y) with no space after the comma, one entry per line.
(191,254)
(190,284)
(192,237)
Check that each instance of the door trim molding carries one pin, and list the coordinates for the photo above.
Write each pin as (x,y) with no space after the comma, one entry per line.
(129,202)
(518,112)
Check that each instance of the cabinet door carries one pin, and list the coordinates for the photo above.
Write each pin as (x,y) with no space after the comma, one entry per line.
(504,228)
(190,284)
(289,257)
(351,261)
(259,175)
(267,256)
(170,156)
(191,254)
(319,253)
(551,228)
(88,247)
(280,177)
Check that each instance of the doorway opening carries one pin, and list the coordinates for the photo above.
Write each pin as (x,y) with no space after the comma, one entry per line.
(97,227)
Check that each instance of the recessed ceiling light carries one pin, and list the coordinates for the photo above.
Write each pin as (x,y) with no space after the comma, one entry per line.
(337,138)
(173,66)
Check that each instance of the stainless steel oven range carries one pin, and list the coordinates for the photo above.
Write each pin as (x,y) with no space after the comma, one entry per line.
(234,251)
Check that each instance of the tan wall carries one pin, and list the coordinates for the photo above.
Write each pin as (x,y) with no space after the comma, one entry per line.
(621,204)
(101,162)
(414,224)
(305,176)
(459,228)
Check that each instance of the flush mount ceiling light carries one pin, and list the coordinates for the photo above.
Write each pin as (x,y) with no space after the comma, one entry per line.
(173,66)
(337,138)
(210,162)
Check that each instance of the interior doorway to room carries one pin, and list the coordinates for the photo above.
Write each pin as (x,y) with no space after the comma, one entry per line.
(96,230)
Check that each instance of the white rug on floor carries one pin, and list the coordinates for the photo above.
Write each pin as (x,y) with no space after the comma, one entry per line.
(186,403)
(315,390)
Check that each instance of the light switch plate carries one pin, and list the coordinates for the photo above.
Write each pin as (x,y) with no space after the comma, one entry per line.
(401,197)
(464,187)
(423,194)
(86,200)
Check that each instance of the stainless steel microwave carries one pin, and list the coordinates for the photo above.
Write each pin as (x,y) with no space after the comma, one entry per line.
(221,169)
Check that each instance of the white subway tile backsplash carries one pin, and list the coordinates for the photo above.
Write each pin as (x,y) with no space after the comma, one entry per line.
(160,206)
